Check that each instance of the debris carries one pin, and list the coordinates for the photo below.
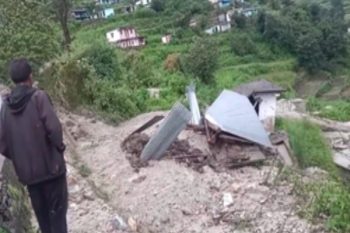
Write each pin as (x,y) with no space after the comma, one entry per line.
(234,114)
(192,99)
(281,142)
(227,199)
(132,224)
(263,96)
(342,159)
(284,153)
(143,127)
(134,144)
(174,123)
(137,179)
(119,223)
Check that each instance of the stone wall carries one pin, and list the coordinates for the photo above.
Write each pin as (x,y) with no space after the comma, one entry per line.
(15,215)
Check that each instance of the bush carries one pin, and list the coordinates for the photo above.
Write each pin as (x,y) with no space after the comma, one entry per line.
(158,5)
(240,20)
(65,81)
(172,62)
(202,60)
(113,99)
(139,72)
(242,44)
(104,59)
(145,13)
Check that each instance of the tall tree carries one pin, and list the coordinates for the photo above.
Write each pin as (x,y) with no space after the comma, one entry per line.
(202,60)
(62,9)
(25,31)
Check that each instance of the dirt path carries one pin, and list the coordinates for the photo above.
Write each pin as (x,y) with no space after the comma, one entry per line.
(166,196)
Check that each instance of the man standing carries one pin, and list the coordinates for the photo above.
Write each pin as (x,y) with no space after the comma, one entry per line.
(31,137)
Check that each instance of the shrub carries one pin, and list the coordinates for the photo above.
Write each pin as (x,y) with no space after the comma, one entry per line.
(104,59)
(172,62)
(201,60)
(158,5)
(139,73)
(113,99)
(65,81)
(145,13)
(242,44)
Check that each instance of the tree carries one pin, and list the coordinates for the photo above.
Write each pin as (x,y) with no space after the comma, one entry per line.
(242,44)
(202,60)
(240,20)
(104,59)
(157,5)
(310,55)
(26,31)
(62,9)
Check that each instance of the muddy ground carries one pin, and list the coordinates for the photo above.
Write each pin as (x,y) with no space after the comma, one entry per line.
(167,196)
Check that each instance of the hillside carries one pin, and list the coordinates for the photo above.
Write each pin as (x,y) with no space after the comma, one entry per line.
(109,75)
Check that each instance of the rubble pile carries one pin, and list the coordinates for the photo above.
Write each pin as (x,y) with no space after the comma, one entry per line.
(233,129)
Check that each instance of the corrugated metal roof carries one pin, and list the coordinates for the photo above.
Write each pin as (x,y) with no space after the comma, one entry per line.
(234,114)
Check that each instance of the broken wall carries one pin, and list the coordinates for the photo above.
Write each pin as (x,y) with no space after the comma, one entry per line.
(267,110)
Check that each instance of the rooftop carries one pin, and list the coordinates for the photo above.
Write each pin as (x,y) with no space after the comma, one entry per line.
(261,86)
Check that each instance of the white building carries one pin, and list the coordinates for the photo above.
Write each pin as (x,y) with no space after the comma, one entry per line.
(101,2)
(125,37)
(143,3)
(263,95)
(222,23)
(106,13)
(166,39)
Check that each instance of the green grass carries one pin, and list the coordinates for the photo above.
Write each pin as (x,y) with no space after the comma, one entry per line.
(332,198)
(328,197)
(338,110)
(309,145)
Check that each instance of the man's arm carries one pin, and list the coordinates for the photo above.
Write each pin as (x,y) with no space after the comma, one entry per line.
(51,122)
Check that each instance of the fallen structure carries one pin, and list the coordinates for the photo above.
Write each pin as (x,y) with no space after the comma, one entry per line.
(230,134)
(233,114)
(263,96)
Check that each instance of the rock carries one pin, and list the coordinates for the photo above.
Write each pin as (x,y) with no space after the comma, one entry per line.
(227,199)
(315,173)
(89,196)
(137,179)
(70,123)
(119,223)
(132,224)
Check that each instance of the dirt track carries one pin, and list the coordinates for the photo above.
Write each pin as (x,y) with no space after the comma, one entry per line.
(167,197)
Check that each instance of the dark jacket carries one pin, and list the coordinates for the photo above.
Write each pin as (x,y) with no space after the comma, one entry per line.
(31,135)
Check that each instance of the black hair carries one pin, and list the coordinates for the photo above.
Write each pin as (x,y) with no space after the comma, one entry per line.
(20,70)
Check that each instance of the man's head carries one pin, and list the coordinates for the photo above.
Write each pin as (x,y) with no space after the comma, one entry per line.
(21,71)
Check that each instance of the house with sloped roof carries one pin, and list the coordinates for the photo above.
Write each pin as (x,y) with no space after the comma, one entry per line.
(263,96)
(125,37)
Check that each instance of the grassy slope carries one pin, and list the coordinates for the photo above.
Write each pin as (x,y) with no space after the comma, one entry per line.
(233,70)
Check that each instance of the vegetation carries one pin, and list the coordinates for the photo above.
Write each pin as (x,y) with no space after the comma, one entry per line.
(314,33)
(313,150)
(338,110)
(79,68)
(328,197)
(202,60)
(26,31)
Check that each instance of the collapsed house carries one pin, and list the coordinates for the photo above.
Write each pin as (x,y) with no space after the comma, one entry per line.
(263,96)
(230,135)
